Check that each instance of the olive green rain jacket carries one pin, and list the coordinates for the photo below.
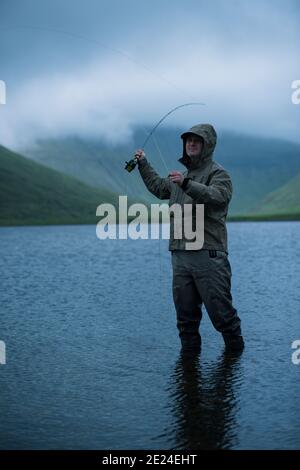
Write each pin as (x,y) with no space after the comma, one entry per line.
(207,183)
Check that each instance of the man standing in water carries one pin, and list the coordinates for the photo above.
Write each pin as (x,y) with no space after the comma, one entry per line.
(199,276)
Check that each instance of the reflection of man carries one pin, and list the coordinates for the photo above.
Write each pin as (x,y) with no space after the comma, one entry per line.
(204,403)
(200,276)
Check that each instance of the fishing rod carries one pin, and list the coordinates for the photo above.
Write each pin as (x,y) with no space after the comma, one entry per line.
(129,166)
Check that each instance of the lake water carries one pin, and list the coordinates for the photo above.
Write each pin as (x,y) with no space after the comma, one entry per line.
(92,353)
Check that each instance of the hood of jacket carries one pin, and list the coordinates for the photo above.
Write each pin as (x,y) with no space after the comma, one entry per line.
(209,137)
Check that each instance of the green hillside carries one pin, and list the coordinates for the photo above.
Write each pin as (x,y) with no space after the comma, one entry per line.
(262,171)
(257,166)
(282,202)
(31,193)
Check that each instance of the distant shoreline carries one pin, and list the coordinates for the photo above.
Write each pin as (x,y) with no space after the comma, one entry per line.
(233,218)
(264,218)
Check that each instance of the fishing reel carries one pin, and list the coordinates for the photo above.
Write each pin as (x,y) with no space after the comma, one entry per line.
(131,164)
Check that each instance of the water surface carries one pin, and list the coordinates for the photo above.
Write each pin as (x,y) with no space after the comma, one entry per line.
(93,357)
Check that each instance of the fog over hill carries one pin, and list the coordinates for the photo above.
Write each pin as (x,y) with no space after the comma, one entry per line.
(257,165)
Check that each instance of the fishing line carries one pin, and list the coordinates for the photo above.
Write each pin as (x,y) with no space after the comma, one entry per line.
(129,58)
(132,163)
(99,43)
(160,153)
(154,140)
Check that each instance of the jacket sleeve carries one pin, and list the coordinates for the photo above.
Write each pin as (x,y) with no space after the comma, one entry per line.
(160,187)
(218,192)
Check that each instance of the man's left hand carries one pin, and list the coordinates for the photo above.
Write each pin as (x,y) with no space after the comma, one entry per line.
(176,177)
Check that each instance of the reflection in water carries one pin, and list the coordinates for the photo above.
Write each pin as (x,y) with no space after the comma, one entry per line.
(203,402)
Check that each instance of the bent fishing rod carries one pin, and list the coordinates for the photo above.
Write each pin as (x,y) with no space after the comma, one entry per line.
(129,166)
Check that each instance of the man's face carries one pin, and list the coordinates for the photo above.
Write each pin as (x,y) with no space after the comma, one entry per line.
(193,146)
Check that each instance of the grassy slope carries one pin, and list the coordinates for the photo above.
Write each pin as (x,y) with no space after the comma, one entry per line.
(282,203)
(33,194)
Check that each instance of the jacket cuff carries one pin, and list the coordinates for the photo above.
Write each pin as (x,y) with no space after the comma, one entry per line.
(142,162)
(185,183)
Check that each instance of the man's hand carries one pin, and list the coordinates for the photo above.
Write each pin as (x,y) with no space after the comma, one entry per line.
(176,177)
(139,154)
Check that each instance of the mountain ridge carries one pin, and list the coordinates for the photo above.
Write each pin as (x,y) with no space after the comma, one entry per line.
(257,165)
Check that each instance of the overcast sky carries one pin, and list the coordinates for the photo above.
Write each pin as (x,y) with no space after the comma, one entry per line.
(97,68)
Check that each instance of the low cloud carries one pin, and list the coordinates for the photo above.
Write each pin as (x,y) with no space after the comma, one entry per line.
(245,82)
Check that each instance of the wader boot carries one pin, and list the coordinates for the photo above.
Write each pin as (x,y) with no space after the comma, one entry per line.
(190,342)
(233,342)
(204,277)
